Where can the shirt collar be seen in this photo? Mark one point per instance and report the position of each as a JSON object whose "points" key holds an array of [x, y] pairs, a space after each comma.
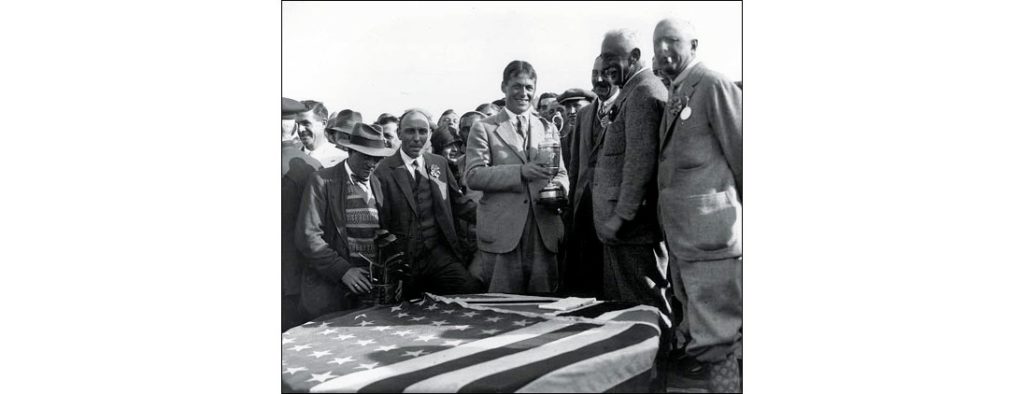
{"points": [[408, 160], [606, 105], [512, 115], [686, 71]]}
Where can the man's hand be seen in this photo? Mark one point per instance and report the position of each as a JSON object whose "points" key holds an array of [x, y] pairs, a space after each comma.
{"points": [[610, 228], [538, 168], [357, 279]]}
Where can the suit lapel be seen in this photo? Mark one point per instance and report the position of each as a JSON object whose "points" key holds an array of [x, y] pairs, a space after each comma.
{"points": [[506, 132], [686, 90], [617, 107], [403, 179]]}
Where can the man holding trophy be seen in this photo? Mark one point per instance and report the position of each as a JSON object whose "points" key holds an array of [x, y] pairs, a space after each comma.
{"points": [[514, 158]]}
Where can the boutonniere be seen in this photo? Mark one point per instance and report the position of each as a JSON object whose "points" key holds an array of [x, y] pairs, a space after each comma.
{"points": [[435, 171]]}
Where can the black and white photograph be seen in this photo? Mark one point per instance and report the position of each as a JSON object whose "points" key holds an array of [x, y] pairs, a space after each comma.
{"points": [[511, 197]]}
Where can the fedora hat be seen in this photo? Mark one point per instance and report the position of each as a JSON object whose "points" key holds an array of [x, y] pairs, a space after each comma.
{"points": [[345, 122], [369, 140], [290, 108]]}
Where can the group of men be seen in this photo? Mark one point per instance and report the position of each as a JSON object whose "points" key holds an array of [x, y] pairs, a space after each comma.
{"points": [[651, 162]]}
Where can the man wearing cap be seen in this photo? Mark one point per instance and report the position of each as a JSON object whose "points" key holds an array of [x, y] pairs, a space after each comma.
{"points": [[586, 267], [624, 195], [700, 180], [342, 127], [571, 101], [312, 125], [518, 237], [421, 203], [338, 223], [296, 167]]}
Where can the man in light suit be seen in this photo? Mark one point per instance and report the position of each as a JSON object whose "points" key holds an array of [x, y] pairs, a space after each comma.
{"points": [[421, 202], [624, 190], [700, 180], [518, 238]]}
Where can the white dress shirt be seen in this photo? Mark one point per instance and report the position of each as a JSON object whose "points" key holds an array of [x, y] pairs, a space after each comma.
{"points": [[365, 185], [408, 164]]}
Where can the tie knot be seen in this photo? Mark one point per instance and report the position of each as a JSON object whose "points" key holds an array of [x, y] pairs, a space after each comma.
{"points": [[415, 164]]}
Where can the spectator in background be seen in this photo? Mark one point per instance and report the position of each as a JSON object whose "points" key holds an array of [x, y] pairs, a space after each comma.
{"points": [[500, 103], [571, 102], [312, 125], [344, 123], [487, 109], [547, 107], [296, 167], [389, 124]]}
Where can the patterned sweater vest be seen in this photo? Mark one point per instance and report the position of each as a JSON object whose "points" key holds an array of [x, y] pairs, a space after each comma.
{"points": [[361, 223]]}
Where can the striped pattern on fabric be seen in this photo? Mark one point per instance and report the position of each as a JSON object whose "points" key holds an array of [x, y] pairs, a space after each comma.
{"points": [[361, 224], [443, 345]]}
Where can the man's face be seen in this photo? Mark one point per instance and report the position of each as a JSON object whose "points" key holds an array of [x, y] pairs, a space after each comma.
{"points": [[548, 108], [467, 125], [390, 130], [311, 128], [450, 152], [518, 91], [287, 129], [672, 50], [617, 60], [448, 121], [602, 88], [572, 109], [362, 164], [414, 132]]}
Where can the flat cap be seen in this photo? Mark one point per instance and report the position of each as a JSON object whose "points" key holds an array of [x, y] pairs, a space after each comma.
{"points": [[576, 94], [290, 108]]}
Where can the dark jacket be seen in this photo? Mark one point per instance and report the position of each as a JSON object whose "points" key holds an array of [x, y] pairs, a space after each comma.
{"points": [[321, 236], [296, 167], [624, 181], [399, 214]]}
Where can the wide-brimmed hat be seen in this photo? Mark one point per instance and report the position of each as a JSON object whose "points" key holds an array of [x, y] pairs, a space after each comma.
{"points": [[345, 122], [369, 139], [290, 108]]}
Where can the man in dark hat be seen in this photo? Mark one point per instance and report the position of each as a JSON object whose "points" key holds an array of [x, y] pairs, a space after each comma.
{"points": [[338, 223], [571, 101], [295, 169], [421, 203]]}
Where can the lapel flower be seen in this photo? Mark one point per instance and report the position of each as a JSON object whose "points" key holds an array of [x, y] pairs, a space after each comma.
{"points": [[435, 171]]}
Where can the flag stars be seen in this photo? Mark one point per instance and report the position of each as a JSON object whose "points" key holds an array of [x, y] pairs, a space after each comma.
{"points": [[402, 333], [329, 331], [285, 341], [324, 324], [521, 323], [321, 377], [439, 323], [382, 328], [417, 318], [344, 337], [362, 315], [396, 308], [448, 311], [470, 314], [366, 342], [367, 366], [432, 307], [365, 323], [489, 331], [386, 348], [292, 371], [426, 338], [402, 314], [340, 361], [300, 347], [320, 354], [494, 319], [414, 354], [460, 328]]}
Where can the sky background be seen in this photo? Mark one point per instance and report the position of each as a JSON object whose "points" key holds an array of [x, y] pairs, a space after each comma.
{"points": [[387, 57]]}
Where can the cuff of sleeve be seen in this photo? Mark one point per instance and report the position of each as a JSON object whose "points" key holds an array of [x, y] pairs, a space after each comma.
{"points": [[337, 270]]}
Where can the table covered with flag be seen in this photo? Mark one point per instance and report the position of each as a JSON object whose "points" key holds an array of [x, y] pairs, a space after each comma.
{"points": [[473, 343]]}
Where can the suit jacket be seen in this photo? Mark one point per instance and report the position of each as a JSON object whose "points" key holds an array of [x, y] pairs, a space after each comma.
{"points": [[580, 171], [494, 161], [399, 202], [627, 153], [295, 170], [700, 174], [321, 236]]}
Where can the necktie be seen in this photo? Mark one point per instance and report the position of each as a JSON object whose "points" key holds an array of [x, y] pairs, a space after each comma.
{"points": [[522, 132], [416, 171]]}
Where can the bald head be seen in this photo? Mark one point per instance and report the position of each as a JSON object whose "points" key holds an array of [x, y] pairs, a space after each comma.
{"points": [[675, 46]]}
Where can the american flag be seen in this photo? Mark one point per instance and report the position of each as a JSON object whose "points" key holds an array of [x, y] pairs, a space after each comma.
{"points": [[443, 344]]}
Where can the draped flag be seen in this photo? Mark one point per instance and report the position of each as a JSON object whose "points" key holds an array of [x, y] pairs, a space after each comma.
{"points": [[483, 343]]}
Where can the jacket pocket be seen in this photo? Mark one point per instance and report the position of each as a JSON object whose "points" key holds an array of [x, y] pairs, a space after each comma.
{"points": [[711, 221]]}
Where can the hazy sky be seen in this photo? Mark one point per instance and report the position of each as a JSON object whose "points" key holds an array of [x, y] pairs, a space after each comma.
{"points": [[387, 57]]}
